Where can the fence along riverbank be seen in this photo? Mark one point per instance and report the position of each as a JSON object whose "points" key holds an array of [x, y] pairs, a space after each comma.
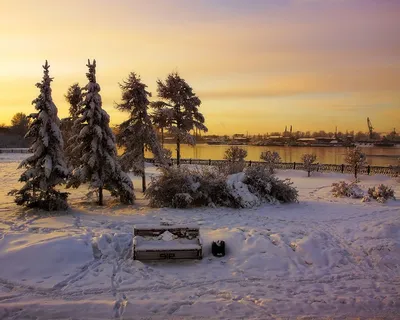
{"points": [[392, 171]]}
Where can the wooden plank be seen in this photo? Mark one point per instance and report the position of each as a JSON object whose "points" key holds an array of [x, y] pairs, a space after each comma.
{"points": [[167, 254]]}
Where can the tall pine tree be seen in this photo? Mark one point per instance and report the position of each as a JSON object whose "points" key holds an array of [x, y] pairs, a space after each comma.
{"points": [[181, 107], [95, 142], [137, 133], [46, 168], [74, 98]]}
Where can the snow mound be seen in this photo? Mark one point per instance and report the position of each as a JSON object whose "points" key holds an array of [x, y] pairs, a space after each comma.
{"points": [[42, 259], [108, 245], [240, 191]]}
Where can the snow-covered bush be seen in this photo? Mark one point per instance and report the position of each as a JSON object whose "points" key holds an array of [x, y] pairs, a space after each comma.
{"points": [[268, 187], [271, 158], [308, 162], [235, 164], [356, 159], [181, 187], [227, 168], [381, 193], [344, 189], [46, 168]]}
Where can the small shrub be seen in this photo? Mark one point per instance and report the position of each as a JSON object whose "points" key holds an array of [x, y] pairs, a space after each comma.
{"points": [[271, 159], [268, 187], [356, 159], [235, 156], [308, 161], [235, 153], [381, 193], [344, 189]]}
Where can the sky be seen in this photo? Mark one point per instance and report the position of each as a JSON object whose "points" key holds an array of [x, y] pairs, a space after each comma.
{"points": [[256, 65]]}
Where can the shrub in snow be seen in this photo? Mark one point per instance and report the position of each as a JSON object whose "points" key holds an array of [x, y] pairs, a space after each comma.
{"points": [[308, 162], [182, 200], [137, 133], [235, 156], [227, 168], [344, 189], [268, 187], [46, 168], [366, 198], [356, 159], [98, 165], [180, 107], [181, 187], [271, 159], [381, 193]]}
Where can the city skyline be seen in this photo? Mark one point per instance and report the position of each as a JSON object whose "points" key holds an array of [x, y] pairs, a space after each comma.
{"points": [[257, 68]]}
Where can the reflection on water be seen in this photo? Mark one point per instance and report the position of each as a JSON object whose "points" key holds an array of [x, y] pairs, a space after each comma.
{"points": [[334, 155]]}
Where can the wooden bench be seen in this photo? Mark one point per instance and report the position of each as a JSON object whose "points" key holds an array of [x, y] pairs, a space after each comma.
{"points": [[166, 242]]}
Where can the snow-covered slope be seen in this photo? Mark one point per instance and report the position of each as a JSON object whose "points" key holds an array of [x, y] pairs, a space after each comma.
{"points": [[323, 257]]}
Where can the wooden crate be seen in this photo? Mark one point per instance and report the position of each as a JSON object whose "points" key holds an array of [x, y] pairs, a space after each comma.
{"points": [[148, 243]]}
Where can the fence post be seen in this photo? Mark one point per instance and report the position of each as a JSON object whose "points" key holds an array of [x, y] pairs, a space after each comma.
{"points": [[294, 165], [368, 169], [342, 168], [209, 162]]}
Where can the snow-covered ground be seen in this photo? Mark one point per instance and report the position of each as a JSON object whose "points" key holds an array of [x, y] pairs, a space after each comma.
{"points": [[324, 257]]}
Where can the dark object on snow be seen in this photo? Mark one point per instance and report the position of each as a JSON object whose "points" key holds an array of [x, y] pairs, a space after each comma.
{"points": [[218, 248]]}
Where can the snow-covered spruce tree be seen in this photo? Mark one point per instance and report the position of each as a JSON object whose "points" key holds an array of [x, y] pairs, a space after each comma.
{"points": [[74, 98], [308, 160], [271, 158], [181, 107], [356, 159], [46, 168], [96, 144], [137, 133]]}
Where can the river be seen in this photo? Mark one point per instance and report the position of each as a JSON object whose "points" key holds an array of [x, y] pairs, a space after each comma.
{"points": [[333, 155]]}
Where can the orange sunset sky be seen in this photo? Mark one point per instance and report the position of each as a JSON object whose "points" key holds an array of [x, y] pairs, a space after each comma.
{"points": [[256, 65]]}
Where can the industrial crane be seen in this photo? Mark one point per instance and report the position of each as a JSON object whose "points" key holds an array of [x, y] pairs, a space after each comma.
{"points": [[370, 128]]}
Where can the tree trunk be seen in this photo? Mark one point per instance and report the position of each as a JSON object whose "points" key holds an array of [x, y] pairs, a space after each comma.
{"points": [[178, 151], [162, 137], [100, 196], [143, 172], [308, 172]]}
